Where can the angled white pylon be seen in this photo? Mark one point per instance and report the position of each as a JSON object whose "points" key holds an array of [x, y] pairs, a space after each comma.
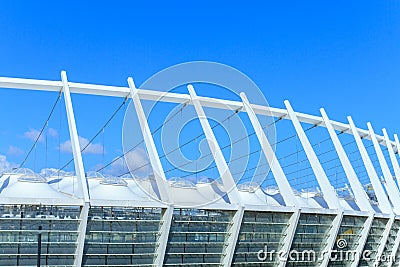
{"points": [[79, 169], [361, 196], [391, 188], [225, 173], [280, 177], [155, 162], [383, 201], [327, 189]]}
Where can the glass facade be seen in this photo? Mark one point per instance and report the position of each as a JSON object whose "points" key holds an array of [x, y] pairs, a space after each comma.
{"points": [[374, 239], [197, 237], [386, 256], [19, 235], [260, 231], [347, 240], [118, 236], [311, 235]]}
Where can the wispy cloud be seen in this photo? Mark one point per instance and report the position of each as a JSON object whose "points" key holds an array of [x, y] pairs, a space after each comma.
{"points": [[33, 134], [52, 132], [91, 149], [136, 160], [5, 165], [14, 151]]}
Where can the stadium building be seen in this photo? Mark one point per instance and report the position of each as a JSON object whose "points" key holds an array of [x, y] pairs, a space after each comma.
{"points": [[91, 219]]}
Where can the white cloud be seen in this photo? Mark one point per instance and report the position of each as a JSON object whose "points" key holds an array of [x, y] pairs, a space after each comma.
{"points": [[52, 132], [15, 151], [91, 149], [137, 161], [33, 134], [6, 165], [52, 171]]}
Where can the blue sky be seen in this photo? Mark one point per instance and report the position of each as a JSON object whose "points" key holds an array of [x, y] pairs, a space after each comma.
{"points": [[341, 55]]}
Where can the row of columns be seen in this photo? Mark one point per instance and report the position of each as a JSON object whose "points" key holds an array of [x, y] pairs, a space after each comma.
{"points": [[285, 189]]}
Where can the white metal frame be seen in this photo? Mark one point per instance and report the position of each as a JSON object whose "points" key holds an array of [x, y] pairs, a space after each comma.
{"points": [[391, 187], [79, 169], [279, 175], [155, 162], [323, 181], [252, 110], [383, 201]]}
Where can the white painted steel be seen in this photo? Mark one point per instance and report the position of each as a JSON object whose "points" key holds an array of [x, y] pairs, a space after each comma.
{"points": [[243, 201]]}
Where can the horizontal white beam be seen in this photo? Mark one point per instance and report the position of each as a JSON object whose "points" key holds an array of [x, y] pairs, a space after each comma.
{"points": [[144, 94]]}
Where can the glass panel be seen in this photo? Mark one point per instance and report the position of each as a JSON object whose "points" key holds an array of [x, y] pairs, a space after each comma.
{"points": [[197, 237], [311, 234], [374, 239], [350, 231], [19, 231], [121, 236], [387, 253], [260, 229]]}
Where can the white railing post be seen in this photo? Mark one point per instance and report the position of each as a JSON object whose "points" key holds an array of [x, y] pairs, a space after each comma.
{"points": [[79, 169]]}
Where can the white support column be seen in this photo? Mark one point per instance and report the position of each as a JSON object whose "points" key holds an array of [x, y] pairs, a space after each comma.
{"points": [[81, 234], [155, 162], [222, 166], [394, 249], [280, 177], [393, 159], [383, 201], [384, 239], [232, 237], [327, 189], [333, 233], [163, 235], [80, 172], [391, 187], [361, 196], [227, 179], [392, 155], [396, 140], [397, 143], [288, 240], [363, 239]]}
